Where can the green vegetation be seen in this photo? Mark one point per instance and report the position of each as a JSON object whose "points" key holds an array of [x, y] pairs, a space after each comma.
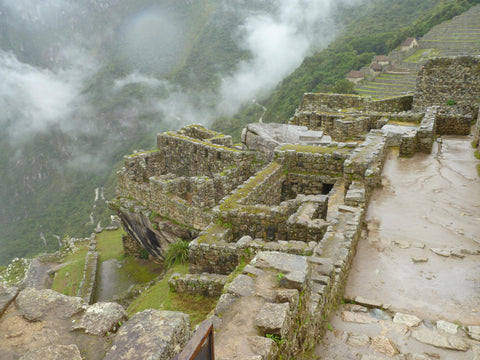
{"points": [[67, 279], [160, 297], [376, 28], [231, 202], [275, 338], [14, 273], [177, 253], [313, 149], [109, 245]]}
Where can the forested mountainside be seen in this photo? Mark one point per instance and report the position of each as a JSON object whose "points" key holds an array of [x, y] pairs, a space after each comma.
{"points": [[375, 28], [83, 83]]}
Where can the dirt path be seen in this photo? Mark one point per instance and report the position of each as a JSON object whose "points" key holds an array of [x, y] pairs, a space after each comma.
{"points": [[427, 202]]}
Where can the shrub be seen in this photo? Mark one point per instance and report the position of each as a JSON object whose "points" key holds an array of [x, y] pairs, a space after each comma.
{"points": [[177, 253], [144, 253]]}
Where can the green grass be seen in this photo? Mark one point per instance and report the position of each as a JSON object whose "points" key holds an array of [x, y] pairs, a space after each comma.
{"points": [[109, 245], [160, 297], [231, 202], [313, 149], [67, 279]]}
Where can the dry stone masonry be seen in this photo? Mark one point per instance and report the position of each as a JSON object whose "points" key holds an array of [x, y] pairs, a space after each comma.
{"points": [[273, 226], [287, 206]]}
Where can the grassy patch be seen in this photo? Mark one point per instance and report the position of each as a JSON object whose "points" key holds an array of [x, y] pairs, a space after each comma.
{"points": [[109, 245], [477, 154], [478, 170], [313, 149], [402, 123], [231, 202], [67, 279], [160, 297]]}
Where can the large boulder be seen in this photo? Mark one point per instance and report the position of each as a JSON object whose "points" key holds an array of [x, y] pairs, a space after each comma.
{"points": [[151, 334], [101, 318], [40, 304]]}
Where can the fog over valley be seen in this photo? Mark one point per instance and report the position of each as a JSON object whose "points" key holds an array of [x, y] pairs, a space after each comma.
{"points": [[83, 83]]}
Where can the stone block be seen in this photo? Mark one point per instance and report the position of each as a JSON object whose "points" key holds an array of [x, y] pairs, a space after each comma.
{"points": [[274, 319], [293, 267], [242, 285], [151, 334], [101, 318]]}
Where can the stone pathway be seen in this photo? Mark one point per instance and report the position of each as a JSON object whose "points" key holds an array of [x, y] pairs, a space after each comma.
{"points": [[418, 262]]}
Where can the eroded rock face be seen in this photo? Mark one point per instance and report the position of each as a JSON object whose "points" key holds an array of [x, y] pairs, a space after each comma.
{"points": [[151, 334], [38, 304], [54, 352], [101, 318], [6, 297], [155, 238]]}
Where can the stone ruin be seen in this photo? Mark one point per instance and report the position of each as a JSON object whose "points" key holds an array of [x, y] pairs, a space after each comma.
{"points": [[289, 202], [284, 209]]}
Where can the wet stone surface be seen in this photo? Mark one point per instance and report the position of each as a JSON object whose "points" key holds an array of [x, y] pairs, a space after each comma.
{"points": [[419, 255]]}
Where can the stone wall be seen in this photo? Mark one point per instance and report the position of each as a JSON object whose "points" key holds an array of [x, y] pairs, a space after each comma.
{"points": [[130, 246], [86, 289], [192, 170], [220, 257], [427, 131], [374, 120], [453, 124], [390, 105], [186, 156], [322, 102], [452, 83], [312, 160], [476, 132], [206, 284], [365, 163]]}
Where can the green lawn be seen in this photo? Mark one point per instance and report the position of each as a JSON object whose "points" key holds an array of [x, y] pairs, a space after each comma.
{"points": [[67, 279], [160, 297]]}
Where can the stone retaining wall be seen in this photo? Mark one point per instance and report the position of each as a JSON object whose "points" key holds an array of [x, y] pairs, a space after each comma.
{"points": [[88, 284], [130, 246], [427, 131], [220, 257], [210, 285], [322, 102], [453, 124], [453, 83], [314, 160], [365, 163]]}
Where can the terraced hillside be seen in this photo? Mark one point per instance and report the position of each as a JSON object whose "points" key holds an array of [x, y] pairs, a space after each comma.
{"points": [[459, 36]]}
